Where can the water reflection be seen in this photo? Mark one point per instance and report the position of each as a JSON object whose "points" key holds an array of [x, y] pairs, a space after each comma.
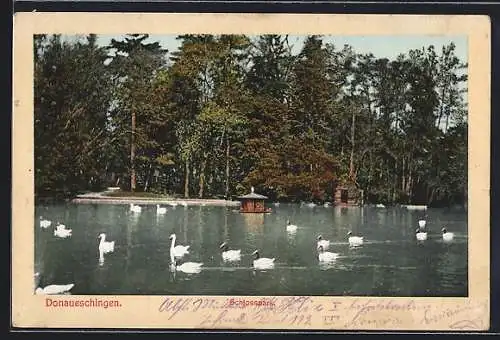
{"points": [[291, 237], [328, 265], [101, 258], [254, 222], [390, 262], [450, 265], [173, 272]]}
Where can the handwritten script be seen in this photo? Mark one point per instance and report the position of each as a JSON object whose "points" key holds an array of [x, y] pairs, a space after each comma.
{"points": [[333, 313]]}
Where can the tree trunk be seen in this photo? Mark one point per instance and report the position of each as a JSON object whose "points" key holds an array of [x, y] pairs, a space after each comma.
{"points": [[431, 192], [132, 155], [227, 167], [395, 182], [351, 162], [202, 175], [403, 178], [409, 179], [148, 178], [409, 188], [441, 107], [186, 179]]}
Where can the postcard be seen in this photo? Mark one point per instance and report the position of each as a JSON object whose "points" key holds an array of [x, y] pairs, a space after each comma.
{"points": [[251, 171]]}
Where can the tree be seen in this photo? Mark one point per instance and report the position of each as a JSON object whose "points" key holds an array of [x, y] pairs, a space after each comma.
{"points": [[72, 91], [135, 65], [312, 100], [214, 66]]}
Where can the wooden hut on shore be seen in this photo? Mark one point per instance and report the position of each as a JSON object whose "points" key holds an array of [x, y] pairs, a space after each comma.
{"points": [[347, 193], [253, 203]]}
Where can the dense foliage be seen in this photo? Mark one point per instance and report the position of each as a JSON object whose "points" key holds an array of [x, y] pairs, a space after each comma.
{"points": [[225, 112]]}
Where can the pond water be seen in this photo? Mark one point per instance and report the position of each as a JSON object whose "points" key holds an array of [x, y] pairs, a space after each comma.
{"points": [[391, 262]]}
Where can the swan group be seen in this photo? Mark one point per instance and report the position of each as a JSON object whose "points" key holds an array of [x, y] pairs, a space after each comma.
{"points": [[174, 204], [178, 251], [60, 229], [421, 233], [186, 267]]}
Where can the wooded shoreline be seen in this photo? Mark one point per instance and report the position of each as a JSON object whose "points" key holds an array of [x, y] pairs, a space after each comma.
{"points": [[227, 112]]}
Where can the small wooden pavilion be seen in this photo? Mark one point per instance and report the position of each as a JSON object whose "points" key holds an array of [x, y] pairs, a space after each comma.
{"points": [[253, 203], [347, 193]]}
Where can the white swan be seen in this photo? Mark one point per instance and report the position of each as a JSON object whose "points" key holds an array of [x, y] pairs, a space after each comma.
{"points": [[179, 250], [354, 241], [190, 267], [323, 243], [262, 262], [160, 210], [229, 255], [173, 204], [422, 223], [135, 208], [291, 228], [105, 246], [62, 232], [44, 223], [326, 256], [186, 267], [311, 205], [183, 203], [421, 235], [54, 289], [380, 205], [447, 236]]}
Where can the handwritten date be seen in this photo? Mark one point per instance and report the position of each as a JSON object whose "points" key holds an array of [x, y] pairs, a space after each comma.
{"points": [[303, 311]]}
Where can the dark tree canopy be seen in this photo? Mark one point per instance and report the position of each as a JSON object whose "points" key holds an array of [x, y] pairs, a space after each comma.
{"points": [[226, 112]]}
